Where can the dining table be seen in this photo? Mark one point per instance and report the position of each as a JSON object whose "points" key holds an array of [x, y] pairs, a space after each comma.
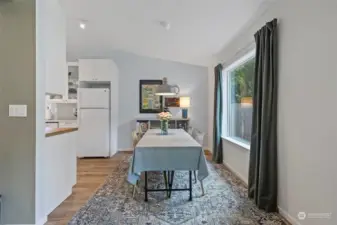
{"points": [[174, 151]]}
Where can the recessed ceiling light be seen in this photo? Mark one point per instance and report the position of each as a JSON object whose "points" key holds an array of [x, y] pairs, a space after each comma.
{"points": [[165, 24], [83, 25]]}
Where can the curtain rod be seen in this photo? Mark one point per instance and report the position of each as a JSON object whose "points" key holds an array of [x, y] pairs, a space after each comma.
{"points": [[247, 48]]}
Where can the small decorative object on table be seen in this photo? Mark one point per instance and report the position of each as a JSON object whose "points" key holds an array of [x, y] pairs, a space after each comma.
{"points": [[164, 118]]}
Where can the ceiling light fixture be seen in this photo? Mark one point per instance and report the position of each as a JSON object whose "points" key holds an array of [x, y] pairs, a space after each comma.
{"points": [[83, 25], [165, 24], [167, 90]]}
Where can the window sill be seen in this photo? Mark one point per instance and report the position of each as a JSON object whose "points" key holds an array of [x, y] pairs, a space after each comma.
{"points": [[243, 145]]}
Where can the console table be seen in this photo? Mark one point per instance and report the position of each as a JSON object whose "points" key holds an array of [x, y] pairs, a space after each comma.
{"points": [[143, 124]]}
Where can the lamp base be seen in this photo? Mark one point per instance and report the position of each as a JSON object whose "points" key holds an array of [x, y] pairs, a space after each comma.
{"points": [[184, 113]]}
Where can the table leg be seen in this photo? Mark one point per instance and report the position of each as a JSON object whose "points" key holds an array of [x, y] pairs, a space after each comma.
{"points": [[146, 186], [169, 183], [171, 177], [190, 186], [166, 185]]}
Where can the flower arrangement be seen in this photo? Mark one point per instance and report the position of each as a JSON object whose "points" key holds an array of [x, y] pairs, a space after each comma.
{"points": [[165, 116]]}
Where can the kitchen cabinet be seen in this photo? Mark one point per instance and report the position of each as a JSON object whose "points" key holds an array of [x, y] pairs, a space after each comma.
{"points": [[59, 169], [97, 70], [73, 82], [55, 48]]}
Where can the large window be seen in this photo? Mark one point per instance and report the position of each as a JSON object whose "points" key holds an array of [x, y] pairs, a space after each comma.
{"points": [[238, 92]]}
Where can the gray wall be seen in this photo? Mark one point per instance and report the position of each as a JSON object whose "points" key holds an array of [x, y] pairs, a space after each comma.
{"points": [[192, 81], [17, 86], [307, 126]]}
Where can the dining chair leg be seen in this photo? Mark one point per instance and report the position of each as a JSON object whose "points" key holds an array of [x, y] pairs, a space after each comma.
{"points": [[134, 189], [190, 187], [195, 176], [202, 188]]}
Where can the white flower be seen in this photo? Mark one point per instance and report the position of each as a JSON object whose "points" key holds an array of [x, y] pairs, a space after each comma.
{"points": [[165, 116]]}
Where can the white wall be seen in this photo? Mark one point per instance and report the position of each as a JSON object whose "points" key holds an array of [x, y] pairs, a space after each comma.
{"points": [[40, 153], [51, 76], [236, 158], [307, 126], [54, 26], [192, 81]]}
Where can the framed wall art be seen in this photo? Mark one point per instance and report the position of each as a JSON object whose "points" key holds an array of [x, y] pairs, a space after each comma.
{"points": [[148, 101], [172, 102]]}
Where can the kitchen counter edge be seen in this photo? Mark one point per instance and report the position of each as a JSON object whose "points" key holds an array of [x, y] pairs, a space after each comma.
{"points": [[58, 131]]}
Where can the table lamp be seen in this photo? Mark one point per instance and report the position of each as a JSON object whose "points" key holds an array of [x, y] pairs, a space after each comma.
{"points": [[185, 104]]}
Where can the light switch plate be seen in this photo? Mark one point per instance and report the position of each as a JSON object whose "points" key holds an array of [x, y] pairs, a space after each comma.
{"points": [[17, 110]]}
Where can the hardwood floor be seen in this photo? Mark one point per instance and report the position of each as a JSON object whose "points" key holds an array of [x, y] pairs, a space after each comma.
{"points": [[91, 174]]}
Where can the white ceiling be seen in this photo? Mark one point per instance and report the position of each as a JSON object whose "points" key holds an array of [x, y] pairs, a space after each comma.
{"points": [[199, 28]]}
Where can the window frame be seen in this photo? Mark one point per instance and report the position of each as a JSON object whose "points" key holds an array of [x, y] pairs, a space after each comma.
{"points": [[225, 81]]}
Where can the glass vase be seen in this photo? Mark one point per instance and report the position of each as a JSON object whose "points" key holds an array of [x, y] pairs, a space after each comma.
{"points": [[164, 127]]}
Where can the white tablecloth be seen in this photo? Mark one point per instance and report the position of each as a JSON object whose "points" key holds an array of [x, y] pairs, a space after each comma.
{"points": [[175, 151]]}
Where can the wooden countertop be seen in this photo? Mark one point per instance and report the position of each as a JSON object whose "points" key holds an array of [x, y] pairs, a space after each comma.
{"points": [[57, 131]]}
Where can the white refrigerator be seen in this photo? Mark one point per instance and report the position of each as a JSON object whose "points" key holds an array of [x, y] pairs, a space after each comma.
{"points": [[94, 122]]}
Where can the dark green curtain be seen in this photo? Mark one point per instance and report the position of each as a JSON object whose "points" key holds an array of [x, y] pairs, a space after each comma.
{"points": [[217, 123], [262, 181]]}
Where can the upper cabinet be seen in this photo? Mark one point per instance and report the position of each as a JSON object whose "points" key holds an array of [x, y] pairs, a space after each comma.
{"points": [[56, 69], [86, 70], [72, 80], [97, 70]]}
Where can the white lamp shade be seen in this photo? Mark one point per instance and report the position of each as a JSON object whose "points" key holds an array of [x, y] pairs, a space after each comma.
{"points": [[185, 102]]}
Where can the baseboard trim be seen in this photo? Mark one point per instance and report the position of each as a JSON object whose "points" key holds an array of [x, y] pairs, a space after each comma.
{"points": [[238, 175], [289, 219], [42, 221]]}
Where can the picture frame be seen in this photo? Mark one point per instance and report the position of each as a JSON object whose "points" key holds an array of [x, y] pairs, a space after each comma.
{"points": [[148, 101], [172, 102]]}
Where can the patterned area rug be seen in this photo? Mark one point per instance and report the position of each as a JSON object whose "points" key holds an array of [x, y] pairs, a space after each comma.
{"points": [[225, 202]]}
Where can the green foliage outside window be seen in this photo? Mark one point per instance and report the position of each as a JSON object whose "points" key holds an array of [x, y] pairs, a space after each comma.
{"points": [[242, 81]]}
